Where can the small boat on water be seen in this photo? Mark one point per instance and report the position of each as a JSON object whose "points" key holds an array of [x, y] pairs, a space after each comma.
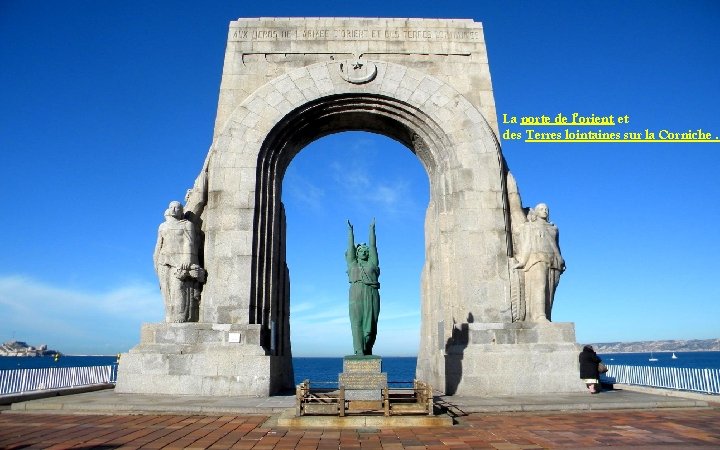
{"points": [[673, 356], [652, 358]]}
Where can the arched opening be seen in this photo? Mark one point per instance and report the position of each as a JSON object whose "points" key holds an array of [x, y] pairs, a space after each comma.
{"points": [[355, 176], [263, 122], [452, 189], [466, 223], [270, 290]]}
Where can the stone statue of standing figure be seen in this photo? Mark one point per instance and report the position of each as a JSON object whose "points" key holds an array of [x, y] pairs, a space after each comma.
{"points": [[176, 264], [363, 270], [539, 258]]}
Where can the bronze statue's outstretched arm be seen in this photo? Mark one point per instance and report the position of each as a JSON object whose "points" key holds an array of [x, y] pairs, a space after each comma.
{"points": [[350, 252], [373, 253]]}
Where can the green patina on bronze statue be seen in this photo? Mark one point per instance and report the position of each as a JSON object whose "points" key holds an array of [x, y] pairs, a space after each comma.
{"points": [[363, 270]]}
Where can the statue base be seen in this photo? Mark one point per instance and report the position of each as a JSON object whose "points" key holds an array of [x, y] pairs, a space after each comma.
{"points": [[484, 359], [202, 359], [363, 380]]}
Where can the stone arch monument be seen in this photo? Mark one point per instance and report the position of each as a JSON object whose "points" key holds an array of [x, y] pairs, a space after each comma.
{"points": [[423, 82]]}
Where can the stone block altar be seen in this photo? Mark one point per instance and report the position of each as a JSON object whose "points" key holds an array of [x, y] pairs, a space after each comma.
{"points": [[202, 359], [363, 380], [512, 359]]}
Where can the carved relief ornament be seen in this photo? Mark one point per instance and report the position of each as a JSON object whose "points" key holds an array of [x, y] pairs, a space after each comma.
{"points": [[358, 71]]}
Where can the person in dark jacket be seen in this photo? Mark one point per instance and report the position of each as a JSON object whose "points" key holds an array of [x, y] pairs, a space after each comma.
{"points": [[589, 372]]}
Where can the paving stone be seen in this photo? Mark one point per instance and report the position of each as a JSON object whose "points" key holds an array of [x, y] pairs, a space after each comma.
{"points": [[676, 428]]}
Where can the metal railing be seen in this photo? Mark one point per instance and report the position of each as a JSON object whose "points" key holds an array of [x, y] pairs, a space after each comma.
{"points": [[21, 381], [678, 378]]}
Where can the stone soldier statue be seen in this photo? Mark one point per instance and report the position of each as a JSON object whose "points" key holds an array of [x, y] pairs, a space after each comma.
{"points": [[176, 264], [363, 270], [539, 258]]}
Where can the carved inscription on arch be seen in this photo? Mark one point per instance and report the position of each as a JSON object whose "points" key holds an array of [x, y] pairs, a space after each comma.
{"points": [[353, 34]]}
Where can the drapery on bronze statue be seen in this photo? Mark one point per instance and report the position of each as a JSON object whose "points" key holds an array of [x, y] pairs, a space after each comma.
{"points": [[363, 270]]}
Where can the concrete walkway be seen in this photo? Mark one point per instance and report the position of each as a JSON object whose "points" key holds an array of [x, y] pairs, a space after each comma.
{"points": [[667, 428], [109, 402]]}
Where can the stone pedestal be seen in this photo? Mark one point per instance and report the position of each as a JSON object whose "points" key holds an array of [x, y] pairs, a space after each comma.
{"points": [[202, 359], [363, 380], [511, 359]]}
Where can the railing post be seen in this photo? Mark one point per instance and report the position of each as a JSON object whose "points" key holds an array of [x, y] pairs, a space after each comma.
{"points": [[22, 382], [706, 372], [678, 378], [386, 398], [341, 401]]}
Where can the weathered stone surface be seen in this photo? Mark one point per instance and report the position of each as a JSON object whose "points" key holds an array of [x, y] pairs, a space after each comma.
{"points": [[177, 265], [214, 373], [365, 363], [363, 380], [538, 257], [363, 395], [512, 358], [521, 333], [187, 358], [288, 419], [423, 82]]}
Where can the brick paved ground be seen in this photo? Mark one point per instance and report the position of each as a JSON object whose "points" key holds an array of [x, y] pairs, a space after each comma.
{"points": [[660, 428]]}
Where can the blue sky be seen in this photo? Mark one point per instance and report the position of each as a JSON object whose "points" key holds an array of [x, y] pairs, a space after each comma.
{"points": [[107, 110]]}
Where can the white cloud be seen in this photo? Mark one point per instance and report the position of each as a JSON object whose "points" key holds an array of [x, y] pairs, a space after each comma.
{"points": [[76, 321], [397, 342], [395, 198], [351, 176], [322, 328], [303, 191], [73, 320], [317, 312], [365, 191], [389, 315], [299, 308]]}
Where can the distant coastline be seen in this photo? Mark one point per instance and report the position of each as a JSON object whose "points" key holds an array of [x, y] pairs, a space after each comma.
{"points": [[692, 345], [20, 348]]}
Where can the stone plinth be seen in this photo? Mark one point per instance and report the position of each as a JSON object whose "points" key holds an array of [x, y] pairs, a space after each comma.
{"points": [[511, 359], [362, 378], [288, 419], [362, 364], [202, 359]]}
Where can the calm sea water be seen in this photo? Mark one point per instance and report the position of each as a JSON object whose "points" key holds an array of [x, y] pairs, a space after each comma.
{"points": [[39, 362], [325, 370], [698, 360], [399, 369]]}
